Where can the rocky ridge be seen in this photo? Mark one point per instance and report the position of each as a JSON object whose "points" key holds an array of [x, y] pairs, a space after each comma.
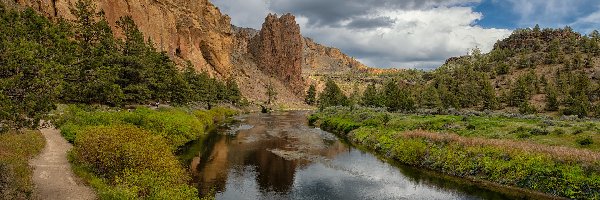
{"points": [[196, 31]]}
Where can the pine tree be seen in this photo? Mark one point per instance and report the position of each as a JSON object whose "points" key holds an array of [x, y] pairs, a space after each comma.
{"points": [[396, 98], [430, 98], [311, 95], [552, 103], [370, 97], [332, 96], [234, 95], [490, 101]]}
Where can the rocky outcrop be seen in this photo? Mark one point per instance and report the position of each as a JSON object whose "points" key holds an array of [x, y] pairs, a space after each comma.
{"points": [[193, 30], [277, 50], [319, 59]]}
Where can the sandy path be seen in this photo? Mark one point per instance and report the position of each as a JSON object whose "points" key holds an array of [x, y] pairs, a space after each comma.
{"points": [[52, 173]]}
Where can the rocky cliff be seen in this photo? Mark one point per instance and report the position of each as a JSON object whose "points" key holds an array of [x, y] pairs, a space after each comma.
{"points": [[193, 30], [197, 31], [277, 50], [319, 59]]}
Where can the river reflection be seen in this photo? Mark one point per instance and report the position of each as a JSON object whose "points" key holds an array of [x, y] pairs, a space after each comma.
{"points": [[277, 156]]}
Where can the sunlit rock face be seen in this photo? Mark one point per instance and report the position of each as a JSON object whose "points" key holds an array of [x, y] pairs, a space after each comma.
{"points": [[193, 30]]}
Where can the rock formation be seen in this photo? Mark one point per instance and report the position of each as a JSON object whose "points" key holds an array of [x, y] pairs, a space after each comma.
{"points": [[277, 50], [193, 30], [327, 60]]}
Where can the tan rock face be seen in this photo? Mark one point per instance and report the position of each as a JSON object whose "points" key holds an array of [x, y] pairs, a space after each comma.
{"points": [[319, 59], [197, 31], [193, 30], [277, 50]]}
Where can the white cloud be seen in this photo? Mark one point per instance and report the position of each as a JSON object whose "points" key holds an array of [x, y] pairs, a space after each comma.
{"points": [[419, 38], [245, 13], [422, 37]]}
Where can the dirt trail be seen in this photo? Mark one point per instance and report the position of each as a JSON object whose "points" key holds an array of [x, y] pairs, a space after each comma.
{"points": [[52, 173]]}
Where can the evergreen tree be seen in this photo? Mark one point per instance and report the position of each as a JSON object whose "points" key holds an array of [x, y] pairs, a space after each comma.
{"points": [[30, 70], [552, 103], [490, 101], [396, 98], [311, 95], [234, 95], [430, 98], [332, 96], [370, 97]]}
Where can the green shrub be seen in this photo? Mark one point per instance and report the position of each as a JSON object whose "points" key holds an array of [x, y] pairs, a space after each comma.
{"points": [[133, 161], [585, 141], [15, 174], [176, 125]]}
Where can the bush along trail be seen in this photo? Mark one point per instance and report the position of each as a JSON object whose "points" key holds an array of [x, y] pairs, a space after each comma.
{"points": [[140, 164], [448, 144]]}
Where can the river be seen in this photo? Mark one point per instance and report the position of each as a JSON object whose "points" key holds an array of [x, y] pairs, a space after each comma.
{"points": [[278, 156]]}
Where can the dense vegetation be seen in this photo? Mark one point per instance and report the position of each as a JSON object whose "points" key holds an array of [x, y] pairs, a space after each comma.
{"points": [[15, 173], [43, 62], [131, 154], [468, 146], [532, 71]]}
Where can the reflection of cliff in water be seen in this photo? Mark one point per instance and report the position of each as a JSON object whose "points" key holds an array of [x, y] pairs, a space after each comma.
{"points": [[253, 148]]}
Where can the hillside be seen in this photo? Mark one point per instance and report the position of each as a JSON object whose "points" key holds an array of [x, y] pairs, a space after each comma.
{"points": [[199, 33], [553, 71]]}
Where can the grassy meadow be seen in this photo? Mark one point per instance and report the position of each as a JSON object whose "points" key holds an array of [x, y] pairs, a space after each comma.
{"points": [[552, 156]]}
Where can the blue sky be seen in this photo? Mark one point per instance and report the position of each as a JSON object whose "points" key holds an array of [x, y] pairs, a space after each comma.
{"points": [[415, 33], [521, 14]]}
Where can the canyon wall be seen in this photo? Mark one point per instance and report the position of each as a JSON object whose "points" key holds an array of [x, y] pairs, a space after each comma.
{"points": [[193, 30], [197, 31]]}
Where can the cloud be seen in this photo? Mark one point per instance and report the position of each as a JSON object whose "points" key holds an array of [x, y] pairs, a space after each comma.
{"points": [[418, 38], [334, 12], [381, 33], [552, 13], [369, 22], [246, 13]]}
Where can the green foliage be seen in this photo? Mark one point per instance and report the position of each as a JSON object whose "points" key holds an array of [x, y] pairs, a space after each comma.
{"points": [[526, 108], [430, 98], [396, 98], [311, 98], [130, 154], [15, 174], [44, 62], [29, 67], [536, 167], [552, 103], [138, 163], [332, 96], [585, 141], [370, 97], [176, 126]]}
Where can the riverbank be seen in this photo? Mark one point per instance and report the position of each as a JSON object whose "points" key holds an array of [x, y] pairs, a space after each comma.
{"points": [[141, 163], [479, 148]]}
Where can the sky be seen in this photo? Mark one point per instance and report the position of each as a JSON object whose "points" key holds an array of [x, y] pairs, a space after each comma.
{"points": [[418, 34]]}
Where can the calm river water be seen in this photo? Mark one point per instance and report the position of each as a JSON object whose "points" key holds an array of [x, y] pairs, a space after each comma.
{"points": [[278, 156]]}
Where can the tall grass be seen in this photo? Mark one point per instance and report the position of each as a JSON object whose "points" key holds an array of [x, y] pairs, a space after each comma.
{"points": [[435, 142], [15, 174]]}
